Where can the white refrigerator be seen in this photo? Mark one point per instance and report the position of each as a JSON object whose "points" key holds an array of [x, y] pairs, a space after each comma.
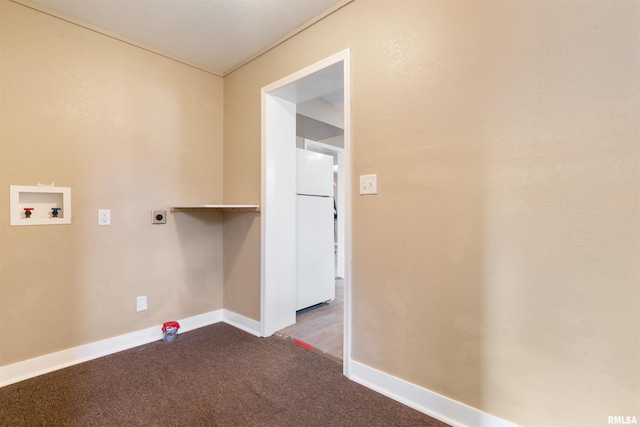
{"points": [[315, 265]]}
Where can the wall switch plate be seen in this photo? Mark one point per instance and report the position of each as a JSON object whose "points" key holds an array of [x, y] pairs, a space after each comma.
{"points": [[141, 303], [368, 184], [158, 217], [104, 217]]}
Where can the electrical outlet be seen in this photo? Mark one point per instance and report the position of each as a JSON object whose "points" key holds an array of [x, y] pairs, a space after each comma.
{"points": [[158, 217], [141, 303], [104, 217]]}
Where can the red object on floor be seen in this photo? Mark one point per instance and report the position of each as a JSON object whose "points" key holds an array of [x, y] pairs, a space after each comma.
{"points": [[172, 324], [303, 344]]}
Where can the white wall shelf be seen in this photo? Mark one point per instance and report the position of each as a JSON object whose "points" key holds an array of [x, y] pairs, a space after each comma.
{"points": [[42, 201], [216, 208]]}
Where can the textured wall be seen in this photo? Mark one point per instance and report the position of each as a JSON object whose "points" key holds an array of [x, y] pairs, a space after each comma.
{"points": [[129, 131], [242, 263], [499, 263]]}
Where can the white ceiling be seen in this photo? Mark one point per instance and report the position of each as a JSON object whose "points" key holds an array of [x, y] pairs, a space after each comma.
{"points": [[215, 35]]}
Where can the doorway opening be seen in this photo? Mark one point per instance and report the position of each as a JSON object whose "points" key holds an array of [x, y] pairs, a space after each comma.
{"points": [[309, 109], [320, 322]]}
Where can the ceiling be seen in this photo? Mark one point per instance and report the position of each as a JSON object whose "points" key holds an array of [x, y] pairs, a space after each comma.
{"points": [[215, 35]]}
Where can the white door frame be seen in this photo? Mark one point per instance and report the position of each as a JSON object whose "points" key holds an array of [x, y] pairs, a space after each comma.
{"points": [[277, 270]]}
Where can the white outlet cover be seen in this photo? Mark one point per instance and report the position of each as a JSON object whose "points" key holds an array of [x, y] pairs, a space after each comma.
{"points": [[104, 217], [141, 303]]}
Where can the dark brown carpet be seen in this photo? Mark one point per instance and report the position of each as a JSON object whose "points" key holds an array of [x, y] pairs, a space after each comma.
{"points": [[213, 376]]}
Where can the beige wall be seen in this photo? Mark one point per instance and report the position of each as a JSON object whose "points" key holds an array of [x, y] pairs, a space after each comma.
{"points": [[242, 263], [499, 263], [497, 266], [129, 131]]}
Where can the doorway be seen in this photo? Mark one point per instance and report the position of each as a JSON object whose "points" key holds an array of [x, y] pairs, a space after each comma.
{"points": [[321, 325], [280, 104]]}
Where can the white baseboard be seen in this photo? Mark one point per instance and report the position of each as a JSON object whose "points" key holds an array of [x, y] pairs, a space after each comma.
{"points": [[248, 325], [428, 402], [52, 362], [199, 321]]}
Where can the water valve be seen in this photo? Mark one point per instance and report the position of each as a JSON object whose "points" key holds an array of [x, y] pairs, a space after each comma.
{"points": [[27, 212], [54, 212]]}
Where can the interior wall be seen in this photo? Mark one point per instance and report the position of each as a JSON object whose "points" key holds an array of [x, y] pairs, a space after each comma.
{"points": [[129, 131], [498, 264], [242, 262]]}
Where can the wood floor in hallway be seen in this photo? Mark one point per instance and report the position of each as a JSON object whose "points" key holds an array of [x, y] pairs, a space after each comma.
{"points": [[321, 325]]}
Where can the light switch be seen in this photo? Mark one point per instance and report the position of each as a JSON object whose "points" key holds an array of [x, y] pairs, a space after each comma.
{"points": [[368, 184]]}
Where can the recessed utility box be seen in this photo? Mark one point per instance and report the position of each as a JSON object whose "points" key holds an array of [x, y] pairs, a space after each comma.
{"points": [[39, 205]]}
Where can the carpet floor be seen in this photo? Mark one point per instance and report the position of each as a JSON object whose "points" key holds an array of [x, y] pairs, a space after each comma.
{"points": [[213, 376]]}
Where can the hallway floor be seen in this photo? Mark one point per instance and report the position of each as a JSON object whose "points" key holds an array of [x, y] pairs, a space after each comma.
{"points": [[321, 325]]}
